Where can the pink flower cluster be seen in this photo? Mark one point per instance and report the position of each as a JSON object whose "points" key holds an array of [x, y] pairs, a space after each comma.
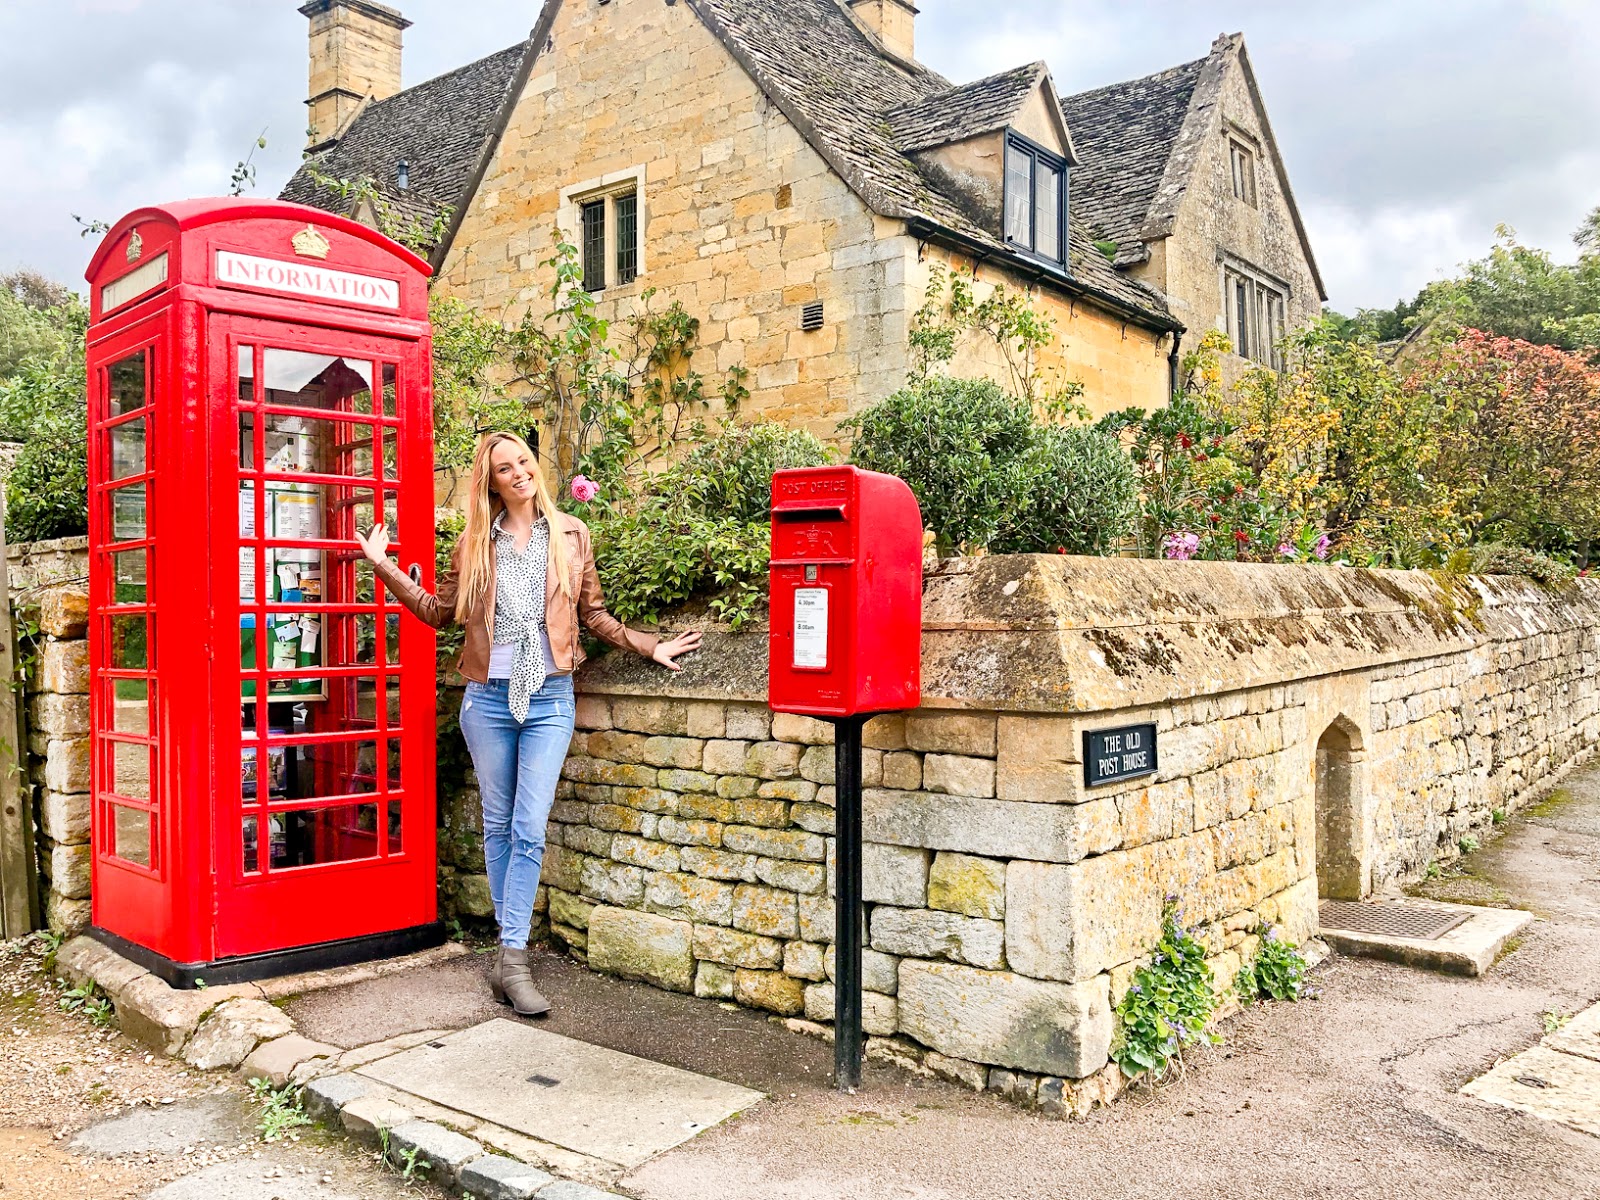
{"points": [[584, 489], [1181, 546]]}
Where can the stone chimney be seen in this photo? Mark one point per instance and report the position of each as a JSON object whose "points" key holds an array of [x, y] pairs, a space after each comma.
{"points": [[894, 22], [355, 56]]}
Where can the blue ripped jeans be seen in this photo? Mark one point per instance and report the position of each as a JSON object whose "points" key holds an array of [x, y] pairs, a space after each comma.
{"points": [[518, 766]]}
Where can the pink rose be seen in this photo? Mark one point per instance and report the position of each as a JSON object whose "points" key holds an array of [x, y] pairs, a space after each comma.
{"points": [[584, 489]]}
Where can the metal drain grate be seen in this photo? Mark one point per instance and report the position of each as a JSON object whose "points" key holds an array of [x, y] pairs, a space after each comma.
{"points": [[1389, 920]]}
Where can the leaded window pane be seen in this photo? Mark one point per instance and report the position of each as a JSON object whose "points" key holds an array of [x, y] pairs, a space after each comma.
{"points": [[594, 246], [1047, 211], [627, 213], [1019, 197]]}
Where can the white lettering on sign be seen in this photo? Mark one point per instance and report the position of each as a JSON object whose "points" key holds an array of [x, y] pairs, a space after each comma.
{"points": [[811, 627], [302, 279]]}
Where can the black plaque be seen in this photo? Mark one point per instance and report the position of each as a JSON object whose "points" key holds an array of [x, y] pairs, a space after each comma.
{"points": [[1112, 755]]}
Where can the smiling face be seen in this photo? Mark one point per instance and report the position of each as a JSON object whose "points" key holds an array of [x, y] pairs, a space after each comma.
{"points": [[511, 472]]}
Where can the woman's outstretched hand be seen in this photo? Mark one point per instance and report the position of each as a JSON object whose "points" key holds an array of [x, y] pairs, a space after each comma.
{"points": [[684, 643], [375, 545]]}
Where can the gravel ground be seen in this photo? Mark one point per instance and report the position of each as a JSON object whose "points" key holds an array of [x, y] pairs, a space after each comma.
{"points": [[1352, 1094], [65, 1080]]}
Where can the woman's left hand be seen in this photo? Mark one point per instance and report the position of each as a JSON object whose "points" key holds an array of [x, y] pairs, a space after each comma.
{"points": [[666, 652]]}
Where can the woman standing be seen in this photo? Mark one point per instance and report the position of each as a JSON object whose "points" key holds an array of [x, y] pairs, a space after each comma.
{"points": [[521, 581]]}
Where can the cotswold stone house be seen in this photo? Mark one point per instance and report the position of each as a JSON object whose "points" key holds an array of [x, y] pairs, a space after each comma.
{"points": [[789, 172], [1181, 178]]}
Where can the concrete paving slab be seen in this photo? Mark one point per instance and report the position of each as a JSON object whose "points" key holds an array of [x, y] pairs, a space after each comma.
{"points": [[1580, 1036], [1547, 1084], [1469, 949], [169, 1129], [597, 1102]]}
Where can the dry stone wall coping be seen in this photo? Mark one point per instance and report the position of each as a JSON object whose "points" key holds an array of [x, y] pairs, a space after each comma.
{"points": [[1069, 634]]}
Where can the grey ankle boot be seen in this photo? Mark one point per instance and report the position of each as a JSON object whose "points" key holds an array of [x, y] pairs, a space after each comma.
{"points": [[516, 981], [496, 988]]}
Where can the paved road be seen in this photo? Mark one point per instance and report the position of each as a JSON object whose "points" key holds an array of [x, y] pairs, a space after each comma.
{"points": [[1350, 1095]]}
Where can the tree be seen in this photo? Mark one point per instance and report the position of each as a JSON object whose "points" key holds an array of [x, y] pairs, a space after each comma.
{"points": [[42, 405], [1527, 462], [1514, 291], [39, 318]]}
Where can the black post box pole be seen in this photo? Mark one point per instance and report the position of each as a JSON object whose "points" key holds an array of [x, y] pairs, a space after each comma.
{"points": [[847, 903]]}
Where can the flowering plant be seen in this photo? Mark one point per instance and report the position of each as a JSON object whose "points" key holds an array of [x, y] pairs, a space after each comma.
{"points": [[1168, 1005], [1181, 546], [584, 489]]}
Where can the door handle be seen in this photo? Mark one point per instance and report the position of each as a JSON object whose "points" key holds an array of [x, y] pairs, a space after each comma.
{"points": [[415, 571]]}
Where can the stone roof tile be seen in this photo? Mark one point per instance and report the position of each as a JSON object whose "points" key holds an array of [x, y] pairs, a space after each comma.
{"points": [[963, 112], [1125, 134]]}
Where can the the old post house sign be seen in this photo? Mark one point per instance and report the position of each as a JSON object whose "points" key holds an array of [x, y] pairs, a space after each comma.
{"points": [[1111, 755]]}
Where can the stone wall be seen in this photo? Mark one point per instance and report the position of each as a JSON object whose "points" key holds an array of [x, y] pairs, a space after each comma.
{"points": [[58, 749], [31, 565], [1313, 722], [48, 583]]}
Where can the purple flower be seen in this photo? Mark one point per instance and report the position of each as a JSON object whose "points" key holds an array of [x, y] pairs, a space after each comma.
{"points": [[1324, 544], [1181, 546], [1272, 933], [584, 489], [1286, 551]]}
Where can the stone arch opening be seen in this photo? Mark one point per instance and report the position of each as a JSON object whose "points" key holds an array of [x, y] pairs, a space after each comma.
{"points": [[1339, 786]]}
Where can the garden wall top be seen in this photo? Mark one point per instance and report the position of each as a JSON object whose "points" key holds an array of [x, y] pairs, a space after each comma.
{"points": [[1058, 633], [35, 564]]}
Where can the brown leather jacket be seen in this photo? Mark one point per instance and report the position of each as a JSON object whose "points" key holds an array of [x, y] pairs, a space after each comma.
{"points": [[562, 615]]}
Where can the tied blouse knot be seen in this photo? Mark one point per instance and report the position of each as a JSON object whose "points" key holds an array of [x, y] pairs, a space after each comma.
{"points": [[521, 649]]}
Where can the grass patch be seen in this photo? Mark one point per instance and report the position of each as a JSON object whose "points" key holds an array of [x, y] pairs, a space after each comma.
{"points": [[1555, 1019], [281, 1110], [1553, 803]]}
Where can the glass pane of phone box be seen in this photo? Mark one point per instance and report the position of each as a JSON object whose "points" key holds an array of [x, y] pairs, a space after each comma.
{"points": [[301, 772], [307, 837]]}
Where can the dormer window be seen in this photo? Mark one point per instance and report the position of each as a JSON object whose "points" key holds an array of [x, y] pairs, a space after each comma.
{"points": [[1035, 200]]}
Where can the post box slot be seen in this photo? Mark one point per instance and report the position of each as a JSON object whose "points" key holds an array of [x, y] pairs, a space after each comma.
{"points": [[828, 512]]}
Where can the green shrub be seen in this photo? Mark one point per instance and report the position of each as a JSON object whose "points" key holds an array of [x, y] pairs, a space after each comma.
{"points": [[970, 452], [47, 491], [700, 528], [731, 475], [1085, 499], [1278, 972]]}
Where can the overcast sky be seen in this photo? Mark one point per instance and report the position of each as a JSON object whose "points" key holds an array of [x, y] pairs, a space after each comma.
{"points": [[1410, 129]]}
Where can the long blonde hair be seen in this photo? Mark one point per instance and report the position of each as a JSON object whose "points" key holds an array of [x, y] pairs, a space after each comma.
{"points": [[484, 505]]}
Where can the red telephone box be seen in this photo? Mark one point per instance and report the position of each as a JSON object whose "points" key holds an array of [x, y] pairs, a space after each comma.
{"points": [[846, 593], [263, 721]]}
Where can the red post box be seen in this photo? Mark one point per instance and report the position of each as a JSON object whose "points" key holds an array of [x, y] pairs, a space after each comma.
{"points": [[262, 719], [846, 643], [846, 583]]}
